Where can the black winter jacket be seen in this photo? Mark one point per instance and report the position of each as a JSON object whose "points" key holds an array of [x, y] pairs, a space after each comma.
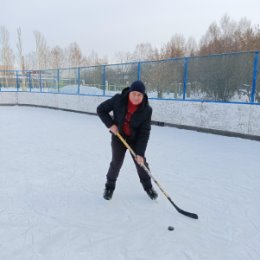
{"points": [[140, 123]]}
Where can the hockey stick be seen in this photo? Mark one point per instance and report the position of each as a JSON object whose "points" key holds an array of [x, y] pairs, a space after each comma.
{"points": [[183, 212]]}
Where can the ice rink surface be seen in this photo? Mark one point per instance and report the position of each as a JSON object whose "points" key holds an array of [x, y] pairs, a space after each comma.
{"points": [[52, 174]]}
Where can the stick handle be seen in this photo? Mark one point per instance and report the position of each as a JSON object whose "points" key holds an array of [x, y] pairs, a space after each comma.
{"points": [[126, 144], [188, 214]]}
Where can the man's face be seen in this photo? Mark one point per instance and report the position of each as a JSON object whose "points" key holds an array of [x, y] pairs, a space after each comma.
{"points": [[136, 97]]}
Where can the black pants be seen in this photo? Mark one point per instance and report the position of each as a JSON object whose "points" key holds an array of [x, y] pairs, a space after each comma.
{"points": [[118, 155]]}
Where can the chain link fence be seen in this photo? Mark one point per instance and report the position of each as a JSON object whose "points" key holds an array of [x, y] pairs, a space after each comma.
{"points": [[230, 77]]}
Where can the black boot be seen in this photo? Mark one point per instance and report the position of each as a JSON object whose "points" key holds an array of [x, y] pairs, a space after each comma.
{"points": [[152, 193], [109, 189], [108, 193]]}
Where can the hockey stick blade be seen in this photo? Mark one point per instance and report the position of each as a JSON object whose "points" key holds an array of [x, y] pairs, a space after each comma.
{"points": [[183, 212]]}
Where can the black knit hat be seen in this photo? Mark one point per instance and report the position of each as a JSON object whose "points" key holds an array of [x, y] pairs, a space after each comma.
{"points": [[137, 86]]}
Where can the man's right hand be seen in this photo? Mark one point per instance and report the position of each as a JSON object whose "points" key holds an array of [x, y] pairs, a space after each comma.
{"points": [[113, 129]]}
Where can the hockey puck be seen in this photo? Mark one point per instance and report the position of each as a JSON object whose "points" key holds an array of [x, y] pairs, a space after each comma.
{"points": [[171, 228]]}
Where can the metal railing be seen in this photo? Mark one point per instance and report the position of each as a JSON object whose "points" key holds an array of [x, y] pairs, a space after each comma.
{"points": [[231, 77]]}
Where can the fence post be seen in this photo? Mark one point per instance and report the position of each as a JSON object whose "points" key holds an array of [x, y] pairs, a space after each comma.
{"points": [[185, 77], [104, 79], [30, 81], [58, 79], [78, 81], [17, 81], [40, 81], [139, 70], [252, 98]]}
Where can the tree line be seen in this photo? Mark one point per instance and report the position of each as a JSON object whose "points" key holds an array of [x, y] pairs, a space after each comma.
{"points": [[226, 36]]}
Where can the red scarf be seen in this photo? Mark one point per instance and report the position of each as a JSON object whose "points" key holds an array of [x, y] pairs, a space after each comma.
{"points": [[131, 108]]}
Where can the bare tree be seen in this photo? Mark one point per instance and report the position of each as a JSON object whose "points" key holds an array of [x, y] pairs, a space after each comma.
{"points": [[242, 33], [20, 49], [57, 57], [20, 57], [30, 61], [230, 36], [74, 55], [175, 47], [228, 28], [92, 58], [143, 51], [123, 57], [210, 42], [7, 57], [256, 43], [191, 47], [156, 54], [41, 51]]}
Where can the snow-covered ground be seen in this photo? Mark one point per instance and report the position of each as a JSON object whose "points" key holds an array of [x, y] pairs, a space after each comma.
{"points": [[53, 166]]}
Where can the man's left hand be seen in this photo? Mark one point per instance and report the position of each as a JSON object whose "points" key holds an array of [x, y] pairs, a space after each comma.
{"points": [[139, 159]]}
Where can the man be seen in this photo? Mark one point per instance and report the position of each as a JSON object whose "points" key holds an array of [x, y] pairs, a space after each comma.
{"points": [[132, 119]]}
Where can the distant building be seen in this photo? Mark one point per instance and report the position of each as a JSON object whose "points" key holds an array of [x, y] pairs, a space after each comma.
{"points": [[3, 67]]}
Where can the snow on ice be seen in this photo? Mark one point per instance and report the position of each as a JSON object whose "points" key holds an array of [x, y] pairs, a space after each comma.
{"points": [[53, 166]]}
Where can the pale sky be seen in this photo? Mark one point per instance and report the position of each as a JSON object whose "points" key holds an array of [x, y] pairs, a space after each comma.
{"points": [[112, 26]]}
